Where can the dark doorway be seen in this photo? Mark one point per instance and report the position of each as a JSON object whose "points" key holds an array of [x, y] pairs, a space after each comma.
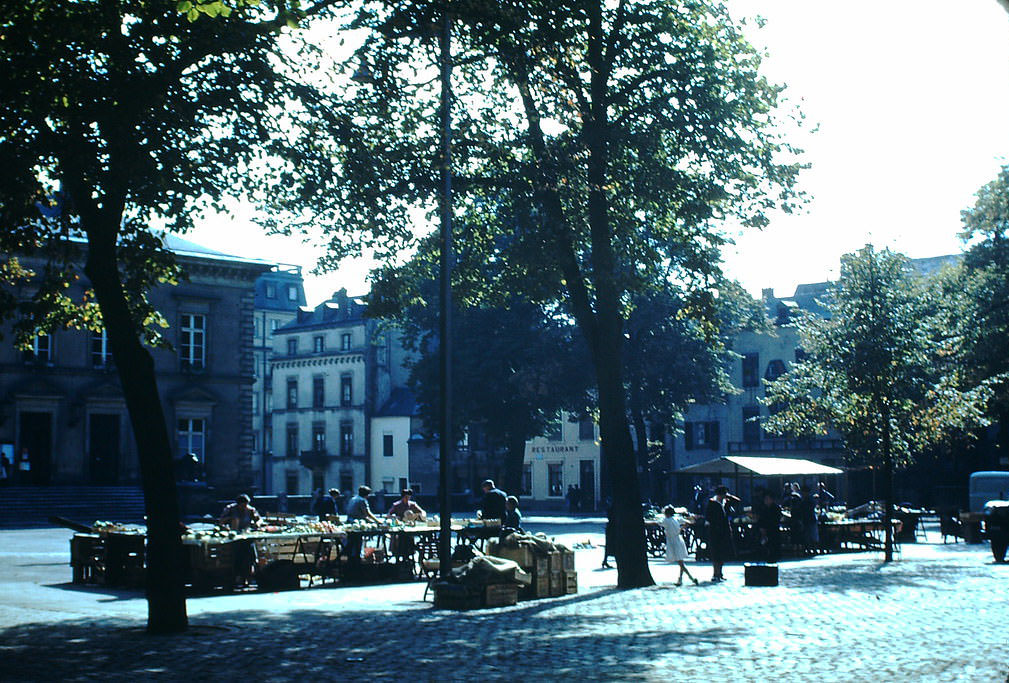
{"points": [[37, 436], [103, 449], [587, 484]]}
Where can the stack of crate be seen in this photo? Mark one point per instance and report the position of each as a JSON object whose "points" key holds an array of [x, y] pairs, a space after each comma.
{"points": [[553, 572]]}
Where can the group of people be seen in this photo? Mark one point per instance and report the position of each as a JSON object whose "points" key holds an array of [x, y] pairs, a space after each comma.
{"points": [[18, 472]]}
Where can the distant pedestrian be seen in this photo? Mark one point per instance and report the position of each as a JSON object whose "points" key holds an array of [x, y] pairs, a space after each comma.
{"points": [[719, 531], [676, 549], [5, 465], [769, 526], [571, 495], [578, 498]]}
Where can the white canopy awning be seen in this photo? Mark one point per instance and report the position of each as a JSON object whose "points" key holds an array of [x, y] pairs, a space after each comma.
{"points": [[759, 465]]}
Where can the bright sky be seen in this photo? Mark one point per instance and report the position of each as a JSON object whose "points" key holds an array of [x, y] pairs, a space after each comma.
{"points": [[912, 102]]}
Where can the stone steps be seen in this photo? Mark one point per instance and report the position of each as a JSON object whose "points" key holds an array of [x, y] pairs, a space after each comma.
{"points": [[31, 506]]}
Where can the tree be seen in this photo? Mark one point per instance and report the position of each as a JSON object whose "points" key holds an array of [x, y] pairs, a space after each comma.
{"points": [[515, 365], [611, 138], [675, 356], [982, 287], [119, 116], [880, 368]]}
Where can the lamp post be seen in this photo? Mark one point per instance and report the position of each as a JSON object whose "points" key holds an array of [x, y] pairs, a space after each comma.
{"points": [[445, 318]]}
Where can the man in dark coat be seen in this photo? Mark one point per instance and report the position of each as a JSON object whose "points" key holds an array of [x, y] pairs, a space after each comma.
{"points": [[716, 522], [328, 506], [493, 504]]}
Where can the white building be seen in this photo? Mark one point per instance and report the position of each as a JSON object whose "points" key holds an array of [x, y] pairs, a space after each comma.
{"points": [[568, 456]]}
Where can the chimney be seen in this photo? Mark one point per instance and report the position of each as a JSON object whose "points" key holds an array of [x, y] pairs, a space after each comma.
{"points": [[767, 293]]}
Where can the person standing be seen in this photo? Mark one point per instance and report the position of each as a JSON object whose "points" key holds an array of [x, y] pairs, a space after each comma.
{"points": [[716, 522], [493, 504], [328, 506], [406, 509], [769, 526], [5, 473], [24, 468], [676, 549], [358, 510]]}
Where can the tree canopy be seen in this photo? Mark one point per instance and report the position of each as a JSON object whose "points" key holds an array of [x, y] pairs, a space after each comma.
{"points": [[880, 368], [120, 117]]}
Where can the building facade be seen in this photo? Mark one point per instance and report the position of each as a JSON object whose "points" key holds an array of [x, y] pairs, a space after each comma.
{"points": [[61, 400], [332, 372], [280, 293]]}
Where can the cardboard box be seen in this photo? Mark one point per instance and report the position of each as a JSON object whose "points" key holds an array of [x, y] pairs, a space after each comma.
{"points": [[570, 583], [501, 595], [557, 583]]}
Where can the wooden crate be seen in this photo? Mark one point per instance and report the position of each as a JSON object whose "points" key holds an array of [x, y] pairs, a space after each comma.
{"points": [[540, 565], [570, 583], [557, 583], [87, 558], [453, 596], [501, 595], [556, 561], [568, 560], [522, 556]]}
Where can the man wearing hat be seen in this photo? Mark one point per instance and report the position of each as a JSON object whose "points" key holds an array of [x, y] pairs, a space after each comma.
{"points": [[493, 504]]}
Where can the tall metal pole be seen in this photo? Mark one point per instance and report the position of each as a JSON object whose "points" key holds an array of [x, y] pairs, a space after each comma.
{"points": [[445, 326]]}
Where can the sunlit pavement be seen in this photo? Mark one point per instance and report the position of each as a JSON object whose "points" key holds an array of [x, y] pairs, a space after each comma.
{"points": [[941, 612]]}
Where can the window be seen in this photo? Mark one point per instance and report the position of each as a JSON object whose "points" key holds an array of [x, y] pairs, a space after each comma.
{"points": [[292, 394], [255, 441], [701, 435], [751, 426], [775, 369], [555, 479], [554, 430], [318, 480], [291, 449], [192, 342], [291, 482], [292, 346], [255, 404], [387, 445], [345, 341], [40, 351], [751, 371], [191, 436], [271, 290], [319, 437], [527, 480], [586, 430], [388, 484], [267, 440], [100, 355], [346, 390], [318, 344], [274, 324], [346, 439], [292, 293], [318, 392], [346, 480]]}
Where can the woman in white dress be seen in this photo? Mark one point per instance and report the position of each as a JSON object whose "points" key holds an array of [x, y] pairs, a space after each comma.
{"points": [[676, 549]]}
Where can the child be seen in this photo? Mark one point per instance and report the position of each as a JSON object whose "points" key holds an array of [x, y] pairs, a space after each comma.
{"points": [[676, 549]]}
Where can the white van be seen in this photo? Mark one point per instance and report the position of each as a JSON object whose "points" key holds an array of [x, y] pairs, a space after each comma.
{"points": [[985, 486]]}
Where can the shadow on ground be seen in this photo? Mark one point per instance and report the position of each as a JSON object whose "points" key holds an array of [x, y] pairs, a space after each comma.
{"points": [[421, 644]]}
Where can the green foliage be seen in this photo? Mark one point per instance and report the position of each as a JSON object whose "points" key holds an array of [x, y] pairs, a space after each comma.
{"points": [[881, 367], [982, 286], [120, 116]]}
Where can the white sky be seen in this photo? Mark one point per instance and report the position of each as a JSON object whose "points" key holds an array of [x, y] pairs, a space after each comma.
{"points": [[912, 102]]}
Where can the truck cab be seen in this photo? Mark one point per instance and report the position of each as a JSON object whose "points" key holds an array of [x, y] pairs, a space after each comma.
{"points": [[985, 486]]}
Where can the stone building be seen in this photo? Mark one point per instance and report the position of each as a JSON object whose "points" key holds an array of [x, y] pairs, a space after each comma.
{"points": [[62, 401], [332, 372]]}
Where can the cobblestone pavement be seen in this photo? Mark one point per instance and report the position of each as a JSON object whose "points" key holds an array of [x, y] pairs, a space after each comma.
{"points": [[940, 613]]}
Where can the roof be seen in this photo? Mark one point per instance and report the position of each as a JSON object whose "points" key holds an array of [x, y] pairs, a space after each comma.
{"points": [[763, 466], [400, 403], [183, 247]]}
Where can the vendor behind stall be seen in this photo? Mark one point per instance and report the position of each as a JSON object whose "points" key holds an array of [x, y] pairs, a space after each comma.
{"points": [[241, 516], [405, 509]]}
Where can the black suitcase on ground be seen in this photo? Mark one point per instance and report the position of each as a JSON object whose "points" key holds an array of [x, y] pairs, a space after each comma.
{"points": [[760, 574]]}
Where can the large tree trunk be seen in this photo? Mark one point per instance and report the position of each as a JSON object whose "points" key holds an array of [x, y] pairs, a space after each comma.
{"points": [[166, 600], [514, 459], [629, 547]]}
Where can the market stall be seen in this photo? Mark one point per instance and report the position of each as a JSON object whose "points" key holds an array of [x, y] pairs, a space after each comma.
{"points": [[281, 552]]}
